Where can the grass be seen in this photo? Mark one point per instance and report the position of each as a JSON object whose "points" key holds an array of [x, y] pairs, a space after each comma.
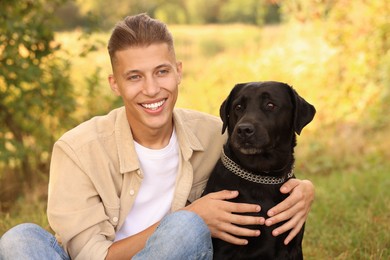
{"points": [[350, 216], [346, 160]]}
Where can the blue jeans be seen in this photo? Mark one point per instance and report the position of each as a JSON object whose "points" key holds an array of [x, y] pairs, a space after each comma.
{"points": [[181, 235], [30, 241]]}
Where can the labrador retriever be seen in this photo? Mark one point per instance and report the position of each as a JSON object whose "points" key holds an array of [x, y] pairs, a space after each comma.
{"points": [[262, 120]]}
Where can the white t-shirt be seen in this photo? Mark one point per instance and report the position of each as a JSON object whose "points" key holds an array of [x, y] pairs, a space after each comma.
{"points": [[155, 196]]}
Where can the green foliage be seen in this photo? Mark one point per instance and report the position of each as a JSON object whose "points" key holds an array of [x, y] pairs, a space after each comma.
{"points": [[244, 11], [171, 14], [107, 13], [35, 92]]}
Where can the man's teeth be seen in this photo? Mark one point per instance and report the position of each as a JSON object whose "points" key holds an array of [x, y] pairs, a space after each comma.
{"points": [[154, 106]]}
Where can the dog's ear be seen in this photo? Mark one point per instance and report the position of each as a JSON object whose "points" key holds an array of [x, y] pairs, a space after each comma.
{"points": [[303, 114], [226, 104]]}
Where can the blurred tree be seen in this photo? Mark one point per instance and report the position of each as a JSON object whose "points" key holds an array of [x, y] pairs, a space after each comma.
{"points": [[256, 12], [172, 13], [245, 11], [36, 96], [106, 13], [359, 32]]}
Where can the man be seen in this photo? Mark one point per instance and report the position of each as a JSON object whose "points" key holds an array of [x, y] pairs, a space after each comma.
{"points": [[128, 184]]}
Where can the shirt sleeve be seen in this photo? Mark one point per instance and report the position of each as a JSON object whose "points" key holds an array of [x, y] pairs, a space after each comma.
{"points": [[75, 210]]}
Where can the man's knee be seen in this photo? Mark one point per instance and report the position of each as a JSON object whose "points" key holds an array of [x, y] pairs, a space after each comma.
{"points": [[23, 233], [190, 225], [187, 229], [29, 241]]}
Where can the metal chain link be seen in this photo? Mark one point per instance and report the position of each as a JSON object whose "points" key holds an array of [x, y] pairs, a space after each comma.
{"points": [[237, 170]]}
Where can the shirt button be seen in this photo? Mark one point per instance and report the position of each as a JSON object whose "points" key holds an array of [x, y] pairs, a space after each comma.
{"points": [[132, 192], [115, 219]]}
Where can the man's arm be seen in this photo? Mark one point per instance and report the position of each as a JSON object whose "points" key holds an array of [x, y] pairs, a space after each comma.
{"points": [[128, 247]]}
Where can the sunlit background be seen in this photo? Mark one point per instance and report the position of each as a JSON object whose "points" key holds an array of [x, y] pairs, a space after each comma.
{"points": [[53, 76]]}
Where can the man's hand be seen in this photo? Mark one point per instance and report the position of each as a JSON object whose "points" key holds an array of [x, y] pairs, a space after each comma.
{"points": [[295, 208], [219, 216]]}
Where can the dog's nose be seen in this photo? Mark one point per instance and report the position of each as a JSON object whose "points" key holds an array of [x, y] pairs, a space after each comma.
{"points": [[245, 130]]}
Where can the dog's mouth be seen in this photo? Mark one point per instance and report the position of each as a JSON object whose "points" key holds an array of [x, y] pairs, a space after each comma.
{"points": [[250, 151], [248, 148]]}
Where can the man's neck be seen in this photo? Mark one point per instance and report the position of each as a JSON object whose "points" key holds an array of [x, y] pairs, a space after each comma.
{"points": [[153, 139]]}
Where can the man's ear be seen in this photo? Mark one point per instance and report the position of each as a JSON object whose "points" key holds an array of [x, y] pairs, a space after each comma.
{"points": [[303, 114], [113, 84], [179, 70]]}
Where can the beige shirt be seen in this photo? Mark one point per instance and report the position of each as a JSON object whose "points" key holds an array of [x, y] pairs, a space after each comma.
{"points": [[95, 176]]}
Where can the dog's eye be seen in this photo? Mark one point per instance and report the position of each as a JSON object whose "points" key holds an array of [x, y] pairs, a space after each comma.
{"points": [[238, 107], [270, 106]]}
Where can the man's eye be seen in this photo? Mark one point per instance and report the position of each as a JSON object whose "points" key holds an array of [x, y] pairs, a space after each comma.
{"points": [[162, 72], [134, 77]]}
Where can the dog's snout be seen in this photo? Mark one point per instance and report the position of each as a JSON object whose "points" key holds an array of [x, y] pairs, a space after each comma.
{"points": [[245, 130]]}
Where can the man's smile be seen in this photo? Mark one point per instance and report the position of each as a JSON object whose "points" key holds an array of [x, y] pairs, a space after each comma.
{"points": [[153, 106]]}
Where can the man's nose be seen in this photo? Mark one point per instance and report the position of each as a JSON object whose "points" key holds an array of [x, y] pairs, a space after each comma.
{"points": [[151, 87]]}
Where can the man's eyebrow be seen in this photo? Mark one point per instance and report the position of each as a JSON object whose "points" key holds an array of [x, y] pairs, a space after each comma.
{"points": [[135, 71], [164, 65]]}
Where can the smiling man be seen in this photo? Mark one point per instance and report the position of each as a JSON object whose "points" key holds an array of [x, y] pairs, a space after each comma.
{"points": [[147, 78], [128, 184]]}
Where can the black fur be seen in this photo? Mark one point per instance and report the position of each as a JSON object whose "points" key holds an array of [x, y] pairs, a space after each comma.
{"points": [[262, 119]]}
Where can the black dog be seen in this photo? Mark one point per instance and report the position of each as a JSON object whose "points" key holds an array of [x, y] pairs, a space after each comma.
{"points": [[262, 119]]}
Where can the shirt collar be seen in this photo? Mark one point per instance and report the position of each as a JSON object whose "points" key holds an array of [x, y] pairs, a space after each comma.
{"points": [[188, 141], [128, 161], [125, 144]]}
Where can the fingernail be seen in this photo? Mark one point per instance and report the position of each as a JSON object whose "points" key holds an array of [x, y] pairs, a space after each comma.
{"points": [[268, 222], [275, 233], [258, 208], [270, 213]]}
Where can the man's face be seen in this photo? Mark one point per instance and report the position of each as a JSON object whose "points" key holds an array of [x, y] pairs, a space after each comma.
{"points": [[147, 79]]}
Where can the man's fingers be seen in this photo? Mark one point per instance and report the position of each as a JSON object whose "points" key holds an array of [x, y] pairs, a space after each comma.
{"points": [[292, 201], [224, 217], [289, 185], [294, 232], [223, 194], [232, 206], [231, 239], [232, 233], [286, 226], [246, 220]]}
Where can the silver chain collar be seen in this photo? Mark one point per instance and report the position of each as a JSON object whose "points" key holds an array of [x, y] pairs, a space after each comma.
{"points": [[249, 176]]}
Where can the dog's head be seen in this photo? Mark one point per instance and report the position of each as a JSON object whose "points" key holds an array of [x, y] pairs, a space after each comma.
{"points": [[262, 119]]}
